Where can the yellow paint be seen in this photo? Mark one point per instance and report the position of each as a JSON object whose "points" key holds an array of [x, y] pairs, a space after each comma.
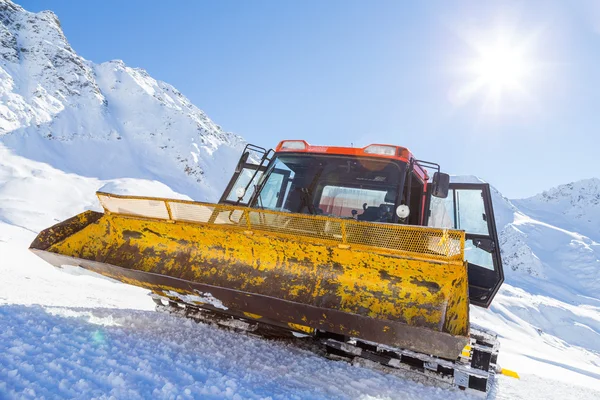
{"points": [[253, 316], [444, 238], [466, 352], [370, 283], [510, 373], [301, 328], [301, 259]]}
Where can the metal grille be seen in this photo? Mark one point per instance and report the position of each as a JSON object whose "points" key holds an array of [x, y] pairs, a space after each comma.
{"points": [[415, 241], [203, 213], [142, 207]]}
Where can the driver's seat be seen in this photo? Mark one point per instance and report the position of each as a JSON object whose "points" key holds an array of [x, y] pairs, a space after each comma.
{"points": [[370, 214]]}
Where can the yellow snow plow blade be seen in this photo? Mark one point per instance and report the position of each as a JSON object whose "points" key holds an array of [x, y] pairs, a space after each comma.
{"points": [[398, 285]]}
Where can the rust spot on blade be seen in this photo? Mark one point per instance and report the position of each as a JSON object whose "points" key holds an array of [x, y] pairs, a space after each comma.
{"points": [[131, 235], [433, 287]]}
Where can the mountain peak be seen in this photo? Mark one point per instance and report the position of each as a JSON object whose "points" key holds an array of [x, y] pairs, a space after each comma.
{"points": [[585, 190], [107, 120], [8, 10], [116, 62], [573, 206]]}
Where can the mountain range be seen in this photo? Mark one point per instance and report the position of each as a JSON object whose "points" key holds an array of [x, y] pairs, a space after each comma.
{"points": [[105, 120]]}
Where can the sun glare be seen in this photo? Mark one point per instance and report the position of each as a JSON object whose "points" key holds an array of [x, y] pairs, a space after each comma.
{"points": [[500, 67], [499, 72]]}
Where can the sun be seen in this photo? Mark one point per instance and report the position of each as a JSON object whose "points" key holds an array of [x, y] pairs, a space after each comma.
{"points": [[499, 71], [501, 67]]}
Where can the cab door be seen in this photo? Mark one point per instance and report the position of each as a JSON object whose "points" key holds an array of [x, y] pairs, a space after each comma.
{"points": [[469, 207]]}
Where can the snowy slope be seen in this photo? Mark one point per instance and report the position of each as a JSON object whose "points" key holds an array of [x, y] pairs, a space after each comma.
{"points": [[548, 310], [107, 121], [140, 355], [106, 349], [69, 127], [574, 206]]}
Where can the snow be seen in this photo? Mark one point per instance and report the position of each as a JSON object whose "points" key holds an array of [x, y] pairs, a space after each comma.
{"points": [[575, 206], [133, 354], [547, 312], [136, 187], [106, 121], [69, 127], [199, 298]]}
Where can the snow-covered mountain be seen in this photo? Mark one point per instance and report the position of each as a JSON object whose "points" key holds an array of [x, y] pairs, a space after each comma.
{"points": [[551, 258], [555, 236], [69, 127], [108, 120], [574, 206], [548, 310]]}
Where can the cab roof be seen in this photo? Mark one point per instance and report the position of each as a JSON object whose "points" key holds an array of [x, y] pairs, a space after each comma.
{"points": [[382, 151]]}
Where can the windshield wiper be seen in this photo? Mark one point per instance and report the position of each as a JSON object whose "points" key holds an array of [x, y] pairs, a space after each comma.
{"points": [[260, 203], [307, 193], [307, 200]]}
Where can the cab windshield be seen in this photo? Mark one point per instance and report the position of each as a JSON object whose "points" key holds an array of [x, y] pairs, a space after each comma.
{"points": [[342, 186]]}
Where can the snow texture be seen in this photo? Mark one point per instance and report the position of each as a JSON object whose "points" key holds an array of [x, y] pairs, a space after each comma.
{"points": [[84, 353], [198, 298], [107, 121], [69, 127]]}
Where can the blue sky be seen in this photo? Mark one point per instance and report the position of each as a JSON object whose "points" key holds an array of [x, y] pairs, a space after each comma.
{"points": [[523, 114]]}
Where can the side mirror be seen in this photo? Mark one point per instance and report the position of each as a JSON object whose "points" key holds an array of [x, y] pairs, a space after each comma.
{"points": [[440, 185], [242, 161]]}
